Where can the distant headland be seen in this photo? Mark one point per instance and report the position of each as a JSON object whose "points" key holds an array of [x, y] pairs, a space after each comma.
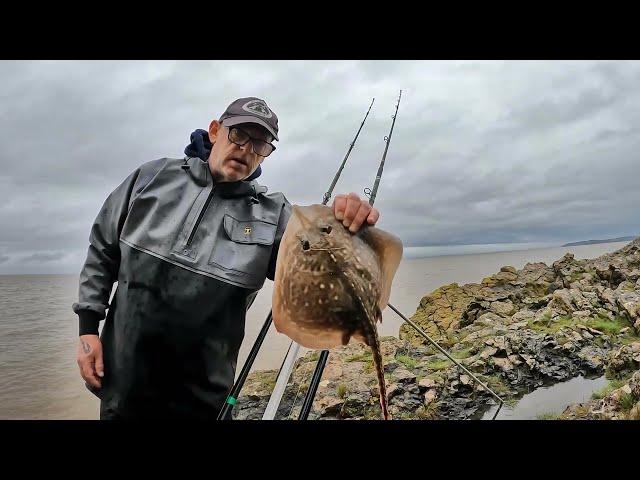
{"points": [[606, 240]]}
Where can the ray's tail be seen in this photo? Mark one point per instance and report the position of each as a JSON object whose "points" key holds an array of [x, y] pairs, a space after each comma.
{"points": [[374, 342]]}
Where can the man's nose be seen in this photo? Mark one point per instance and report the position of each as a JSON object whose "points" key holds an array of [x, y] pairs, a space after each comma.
{"points": [[247, 147]]}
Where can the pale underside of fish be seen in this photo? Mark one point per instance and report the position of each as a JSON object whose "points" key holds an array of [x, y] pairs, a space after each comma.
{"points": [[331, 285]]}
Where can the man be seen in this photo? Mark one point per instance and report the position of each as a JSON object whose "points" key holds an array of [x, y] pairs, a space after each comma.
{"points": [[190, 242]]}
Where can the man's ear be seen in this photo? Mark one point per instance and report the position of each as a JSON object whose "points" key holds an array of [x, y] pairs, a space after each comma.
{"points": [[214, 128]]}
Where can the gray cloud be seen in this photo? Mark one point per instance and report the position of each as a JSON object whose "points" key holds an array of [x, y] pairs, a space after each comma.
{"points": [[43, 257], [482, 152]]}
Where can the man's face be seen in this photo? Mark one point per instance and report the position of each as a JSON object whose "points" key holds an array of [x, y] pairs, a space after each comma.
{"points": [[230, 162]]}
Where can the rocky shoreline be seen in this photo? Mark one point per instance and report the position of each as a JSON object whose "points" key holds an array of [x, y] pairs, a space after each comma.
{"points": [[517, 330]]}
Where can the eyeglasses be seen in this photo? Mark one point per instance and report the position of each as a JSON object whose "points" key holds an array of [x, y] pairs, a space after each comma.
{"points": [[260, 147]]}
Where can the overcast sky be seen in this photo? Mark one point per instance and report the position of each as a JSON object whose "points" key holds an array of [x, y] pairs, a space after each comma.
{"points": [[482, 151]]}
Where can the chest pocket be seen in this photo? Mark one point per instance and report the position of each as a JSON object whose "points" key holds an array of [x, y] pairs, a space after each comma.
{"points": [[245, 247]]}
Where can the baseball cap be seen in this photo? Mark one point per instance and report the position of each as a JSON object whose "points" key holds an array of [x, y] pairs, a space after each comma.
{"points": [[251, 110]]}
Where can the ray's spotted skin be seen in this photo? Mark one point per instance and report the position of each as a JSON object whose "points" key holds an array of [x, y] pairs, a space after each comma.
{"points": [[331, 285]]}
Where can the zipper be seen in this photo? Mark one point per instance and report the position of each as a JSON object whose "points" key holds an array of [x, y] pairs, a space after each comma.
{"points": [[202, 212]]}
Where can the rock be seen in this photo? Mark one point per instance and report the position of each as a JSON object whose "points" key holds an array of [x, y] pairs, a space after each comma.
{"points": [[633, 276], [508, 269], [591, 290], [466, 379], [427, 383], [441, 311], [576, 336], [514, 359], [568, 269], [413, 402], [634, 385], [406, 405], [517, 326], [503, 364], [577, 412], [528, 359], [403, 376], [629, 302], [413, 389], [499, 342], [607, 296], [488, 319], [522, 315], [502, 277], [332, 371], [538, 302], [421, 350], [486, 332], [623, 287], [569, 301], [430, 396], [328, 406], [354, 406], [477, 366], [389, 346], [392, 390], [588, 292], [593, 358], [503, 309], [610, 313], [389, 367], [588, 329], [615, 276], [602, 270], [536, 279], [488, 352], [626, 358], [582, 314], [543, 315]]}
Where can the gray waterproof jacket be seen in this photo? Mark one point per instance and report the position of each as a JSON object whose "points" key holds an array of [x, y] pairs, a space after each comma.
{"points": [[189, 256]]}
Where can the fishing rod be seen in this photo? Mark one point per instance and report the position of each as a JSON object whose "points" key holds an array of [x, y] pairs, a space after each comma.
{"points": [[324, 355], [435, 344], [232, 397], [327, 195], [372, 194], [322, 361]]}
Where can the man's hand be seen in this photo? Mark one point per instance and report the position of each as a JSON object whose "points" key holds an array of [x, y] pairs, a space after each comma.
{"points": [[90, 360], [353, 212]]}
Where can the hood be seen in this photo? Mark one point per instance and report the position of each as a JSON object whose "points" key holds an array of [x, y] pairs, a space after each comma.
{"points": [[200, 147]]}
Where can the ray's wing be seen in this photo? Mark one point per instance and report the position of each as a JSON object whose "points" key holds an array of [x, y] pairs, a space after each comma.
{"points": [[388, 250]]}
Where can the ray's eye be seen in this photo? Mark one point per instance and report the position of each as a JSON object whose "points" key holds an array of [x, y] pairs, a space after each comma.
{"points": [[305, 245], [326, 229]]}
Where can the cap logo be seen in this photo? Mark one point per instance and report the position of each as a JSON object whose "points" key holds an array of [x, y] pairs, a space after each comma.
{"points": [[257, 107]]}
